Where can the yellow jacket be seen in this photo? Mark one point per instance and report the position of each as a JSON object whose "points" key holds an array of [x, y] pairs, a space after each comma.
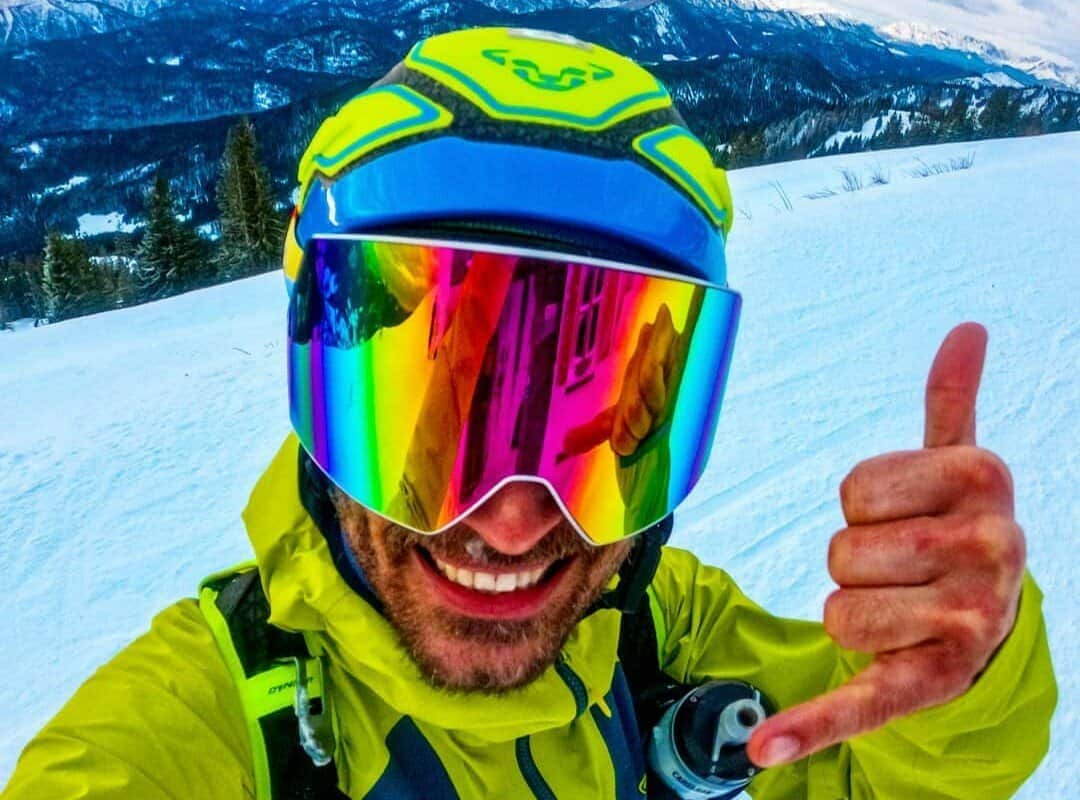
{"points": [[163, 719]]}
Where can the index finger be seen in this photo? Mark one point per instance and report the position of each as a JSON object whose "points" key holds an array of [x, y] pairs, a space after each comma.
{"points": [[953, 385], [894, 685]]}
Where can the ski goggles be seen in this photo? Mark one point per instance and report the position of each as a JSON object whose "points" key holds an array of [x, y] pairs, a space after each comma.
{"points": [[424, 375]]}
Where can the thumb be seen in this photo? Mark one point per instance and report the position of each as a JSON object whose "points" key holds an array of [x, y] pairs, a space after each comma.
{"points": [[953, 386]]}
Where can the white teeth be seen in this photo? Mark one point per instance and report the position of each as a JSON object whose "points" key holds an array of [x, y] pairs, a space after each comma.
{"points": [[489, 582]]}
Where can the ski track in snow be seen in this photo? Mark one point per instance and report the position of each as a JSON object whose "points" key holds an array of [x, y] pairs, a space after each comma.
{"points": [[135, 436]]}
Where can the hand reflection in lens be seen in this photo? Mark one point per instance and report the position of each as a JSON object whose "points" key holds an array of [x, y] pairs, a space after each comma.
{"points": [[649, 388]]}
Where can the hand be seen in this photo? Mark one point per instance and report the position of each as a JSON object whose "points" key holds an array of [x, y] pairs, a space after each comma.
{"points": [[647, 390], [929, 570], [648, 384]]}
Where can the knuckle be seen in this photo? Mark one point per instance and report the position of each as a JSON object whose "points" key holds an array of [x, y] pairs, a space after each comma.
{"points": [[853, 488], [976, 620], [986, 473], [966, 629], [997, 541], [939, 673]]}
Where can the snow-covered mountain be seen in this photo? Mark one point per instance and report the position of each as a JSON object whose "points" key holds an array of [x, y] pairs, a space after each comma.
{"points": [[1043, 69], [136, 435], [918, 33], [25, 21], [183, 61], [112, 89]]}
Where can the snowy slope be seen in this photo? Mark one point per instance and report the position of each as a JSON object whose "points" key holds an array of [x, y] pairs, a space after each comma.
{"points": [[132, 438]]}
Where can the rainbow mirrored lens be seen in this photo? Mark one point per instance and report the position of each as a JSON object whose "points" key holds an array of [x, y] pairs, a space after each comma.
{"points": [[423, 375]]}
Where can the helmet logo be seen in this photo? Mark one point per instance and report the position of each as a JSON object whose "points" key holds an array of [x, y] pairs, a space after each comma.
{"points": [[565, 80]]}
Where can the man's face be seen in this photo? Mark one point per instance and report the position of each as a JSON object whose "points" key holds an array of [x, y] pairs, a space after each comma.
{"points": [[488, 604]]}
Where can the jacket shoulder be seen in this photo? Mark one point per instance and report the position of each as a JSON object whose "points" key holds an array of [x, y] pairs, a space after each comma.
{"points": [[681, 576], [161, 720]]}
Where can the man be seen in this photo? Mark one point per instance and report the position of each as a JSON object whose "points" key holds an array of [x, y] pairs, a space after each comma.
{"points": [[509, 331]]}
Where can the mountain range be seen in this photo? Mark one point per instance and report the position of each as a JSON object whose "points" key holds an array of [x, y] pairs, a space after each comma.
{"points": [[104, 92]]}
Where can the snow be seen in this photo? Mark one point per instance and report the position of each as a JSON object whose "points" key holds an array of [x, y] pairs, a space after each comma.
{"points": [[999, 78], [66, 186], [138, 434], [268, 95], [31, 152], [113, 222], [871, 128], [18, 325], [135, 173], [1051, 68]]}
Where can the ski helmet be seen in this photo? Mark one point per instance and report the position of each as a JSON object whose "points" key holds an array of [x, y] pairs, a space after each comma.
{"points": [[528, 157]]}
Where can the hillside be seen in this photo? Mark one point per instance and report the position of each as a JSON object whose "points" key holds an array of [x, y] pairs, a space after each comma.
{"points": [[134, 437]]}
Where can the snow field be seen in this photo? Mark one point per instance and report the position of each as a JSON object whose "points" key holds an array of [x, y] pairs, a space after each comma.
{"points": [[131, 439]]}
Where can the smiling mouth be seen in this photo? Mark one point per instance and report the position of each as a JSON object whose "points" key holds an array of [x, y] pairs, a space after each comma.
{"points": [[493, 581], [493, 592]]}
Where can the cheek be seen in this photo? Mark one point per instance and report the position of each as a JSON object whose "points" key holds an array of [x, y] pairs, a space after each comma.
{"points": [[597, 568]]}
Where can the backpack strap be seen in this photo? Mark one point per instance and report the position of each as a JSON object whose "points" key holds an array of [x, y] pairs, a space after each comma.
{"points": [[642, 636], [281, 689]]}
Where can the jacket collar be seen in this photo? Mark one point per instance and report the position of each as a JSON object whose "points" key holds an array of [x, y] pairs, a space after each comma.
{"points": [[308, 594]]}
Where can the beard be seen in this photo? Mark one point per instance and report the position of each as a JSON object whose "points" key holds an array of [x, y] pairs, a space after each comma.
{"points": [[458, 652]]}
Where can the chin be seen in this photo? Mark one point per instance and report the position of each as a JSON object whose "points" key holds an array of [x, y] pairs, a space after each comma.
{"points": [[502, 669]]}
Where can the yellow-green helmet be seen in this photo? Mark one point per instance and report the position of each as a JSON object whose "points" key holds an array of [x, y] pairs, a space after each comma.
{"points": [[527, 133]]}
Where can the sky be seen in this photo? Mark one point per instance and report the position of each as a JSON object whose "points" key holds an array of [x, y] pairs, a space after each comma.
{"points": [[1028, 27]]}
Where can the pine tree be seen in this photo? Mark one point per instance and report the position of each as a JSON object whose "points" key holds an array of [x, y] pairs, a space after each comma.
{"points": [[957, 125], [892, 134], [1000, 117], [747, 149], [30, 273], [10, 304], [170, 258], [251, 229], [70, 283]]}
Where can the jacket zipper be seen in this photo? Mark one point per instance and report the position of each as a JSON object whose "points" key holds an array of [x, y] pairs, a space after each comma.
{"points": [[526, 764], [530, 771], [573, 682]]}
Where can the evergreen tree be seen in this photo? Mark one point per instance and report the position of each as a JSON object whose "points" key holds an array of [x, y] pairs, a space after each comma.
{"points": [[170, 257], [29, 271], [893, 133], [1000, 117], [251, 229], [957, 125], [747, 149], [11, 300], [70, 283]]}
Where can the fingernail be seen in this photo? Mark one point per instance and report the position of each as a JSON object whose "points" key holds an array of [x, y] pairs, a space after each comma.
{"points": [[780, 750]]}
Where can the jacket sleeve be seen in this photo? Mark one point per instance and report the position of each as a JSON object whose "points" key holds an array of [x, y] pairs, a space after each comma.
{"points": [[161, 721], [983, 744]]}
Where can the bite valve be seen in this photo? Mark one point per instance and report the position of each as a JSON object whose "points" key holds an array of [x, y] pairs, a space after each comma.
{"points": [[697, 750]]}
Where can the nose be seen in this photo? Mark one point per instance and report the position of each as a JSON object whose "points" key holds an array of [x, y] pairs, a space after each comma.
{"points": [[516, 517]]}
